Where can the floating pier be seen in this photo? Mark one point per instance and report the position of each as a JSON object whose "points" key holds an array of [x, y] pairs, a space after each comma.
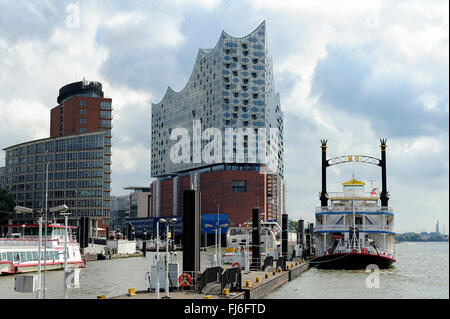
{"points": [[255, 285]]}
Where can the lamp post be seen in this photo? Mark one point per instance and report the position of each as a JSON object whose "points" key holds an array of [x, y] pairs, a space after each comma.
{"points": [[63, 209], [220, 242], [218, 235], [21, 209], [172, 221], [157, 257], [46, 219]]}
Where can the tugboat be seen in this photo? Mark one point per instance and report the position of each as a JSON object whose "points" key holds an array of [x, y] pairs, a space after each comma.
{"points": [[355, 231]]}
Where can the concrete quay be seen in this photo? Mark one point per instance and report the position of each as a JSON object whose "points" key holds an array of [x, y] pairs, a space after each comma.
{"points": [[256, 290]]}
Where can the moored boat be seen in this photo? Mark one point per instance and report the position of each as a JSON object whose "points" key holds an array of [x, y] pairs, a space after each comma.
{"points": [[357, 229], [19, 250], [354, 231]]}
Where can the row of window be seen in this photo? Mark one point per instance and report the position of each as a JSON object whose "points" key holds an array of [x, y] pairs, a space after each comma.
{"points": [[23, 256]]}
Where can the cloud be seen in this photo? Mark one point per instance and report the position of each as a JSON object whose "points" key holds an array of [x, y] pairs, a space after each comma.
{"points": [[347, 72]]}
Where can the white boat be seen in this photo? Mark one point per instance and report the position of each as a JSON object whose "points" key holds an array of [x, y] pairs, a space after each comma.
{"points": [[355, 231], [239, 239], [19, 250]]}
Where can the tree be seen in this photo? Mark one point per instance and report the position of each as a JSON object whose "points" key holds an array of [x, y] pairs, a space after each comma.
{"points": [[293, 225], [6, 205]]}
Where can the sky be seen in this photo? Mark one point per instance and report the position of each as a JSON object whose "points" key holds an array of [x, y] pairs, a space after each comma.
{"points": [[351, 72]]}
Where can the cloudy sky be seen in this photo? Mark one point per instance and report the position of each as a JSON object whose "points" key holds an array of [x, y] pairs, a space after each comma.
{"points": [[348, 71]]}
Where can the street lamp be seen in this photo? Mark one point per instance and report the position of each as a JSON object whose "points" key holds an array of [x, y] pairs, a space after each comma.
{"points": [[21, 209], [218, 236], [162, 220], [172, 221], [63, 211]]}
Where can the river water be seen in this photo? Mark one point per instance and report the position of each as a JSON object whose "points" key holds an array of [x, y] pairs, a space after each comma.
{"points": [[421, 271]]}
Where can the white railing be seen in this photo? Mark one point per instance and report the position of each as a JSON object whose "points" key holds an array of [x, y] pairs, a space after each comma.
{"points": [[18, 243], [349, 194], [361, 228], [357, 209]]}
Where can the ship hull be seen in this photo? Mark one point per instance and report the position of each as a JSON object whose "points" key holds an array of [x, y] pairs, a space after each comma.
{"points": [[351, 261]]}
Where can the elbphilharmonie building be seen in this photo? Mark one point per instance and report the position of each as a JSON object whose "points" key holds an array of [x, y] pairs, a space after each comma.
{"points": [[228, 108]]}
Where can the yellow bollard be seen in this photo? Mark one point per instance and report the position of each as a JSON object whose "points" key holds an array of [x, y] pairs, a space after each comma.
{"points": [[279, 269], [226, 292], [101, 297], [131, 291], [258, 279], [248, 283], [266, 275], [274, 272], [208, 297]]}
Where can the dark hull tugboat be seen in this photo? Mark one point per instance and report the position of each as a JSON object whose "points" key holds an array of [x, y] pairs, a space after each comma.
{"points": [[355, 231]]}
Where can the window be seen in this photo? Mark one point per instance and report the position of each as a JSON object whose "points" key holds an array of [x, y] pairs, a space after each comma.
{"points": [[83, 103], [83, 112], [83, 121], [105, 105], [239, 186]]}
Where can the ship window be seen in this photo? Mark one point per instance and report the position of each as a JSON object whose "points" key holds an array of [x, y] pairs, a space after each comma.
{"points": [[9, 256], [35, 255], [16, 257], [29, 256]]}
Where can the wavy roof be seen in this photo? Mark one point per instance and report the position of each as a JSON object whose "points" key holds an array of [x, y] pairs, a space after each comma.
{"points": [[203, 53]]}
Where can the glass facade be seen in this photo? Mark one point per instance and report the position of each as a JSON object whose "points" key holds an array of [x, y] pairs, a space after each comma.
{"points": [[73, 168], [231, 86]]}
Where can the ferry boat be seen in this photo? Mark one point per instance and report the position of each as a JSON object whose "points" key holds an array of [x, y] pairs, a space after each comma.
{"points": [[354, 231], [19, 249], [238, 239]]}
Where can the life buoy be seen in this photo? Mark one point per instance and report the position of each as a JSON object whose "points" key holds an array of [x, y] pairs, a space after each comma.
{"points": [[184, 279], [236, 264]]}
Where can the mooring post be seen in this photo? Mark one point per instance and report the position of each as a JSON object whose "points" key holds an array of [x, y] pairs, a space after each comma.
{"points": [[284, 235], [191, 232], [256, 233]]}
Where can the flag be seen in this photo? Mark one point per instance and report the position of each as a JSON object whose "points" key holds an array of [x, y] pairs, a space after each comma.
{"points": [[374, 191]]}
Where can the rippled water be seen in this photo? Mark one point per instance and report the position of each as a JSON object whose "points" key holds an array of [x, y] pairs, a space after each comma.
{"points": [[104, 277], [421, 271]]}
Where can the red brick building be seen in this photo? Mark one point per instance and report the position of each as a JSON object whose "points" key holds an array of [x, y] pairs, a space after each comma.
{"points": [[236, 192], [82, 109]]}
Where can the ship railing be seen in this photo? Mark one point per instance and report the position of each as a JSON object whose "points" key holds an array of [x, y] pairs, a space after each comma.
{"points": [[357, 209], [361, 228], [18, 243]]}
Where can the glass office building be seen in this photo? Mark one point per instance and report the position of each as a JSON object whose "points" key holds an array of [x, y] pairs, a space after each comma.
{"points": [[75, 169]]}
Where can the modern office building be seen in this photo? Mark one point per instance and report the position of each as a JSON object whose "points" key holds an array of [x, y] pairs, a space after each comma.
{"points": [[134, 206], [119, 210], [2, 177], [222, 134], [73, 165], [82, 109]]}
